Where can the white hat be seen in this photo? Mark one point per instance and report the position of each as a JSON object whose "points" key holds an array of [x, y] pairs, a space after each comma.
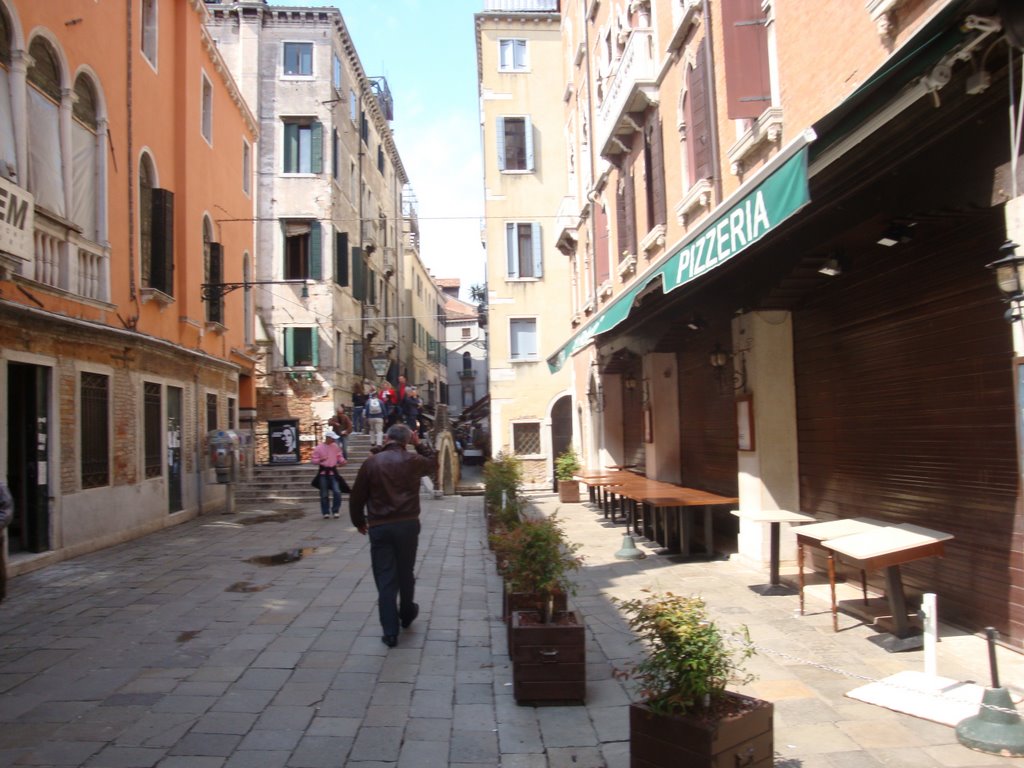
{"points": [[331, 434]]}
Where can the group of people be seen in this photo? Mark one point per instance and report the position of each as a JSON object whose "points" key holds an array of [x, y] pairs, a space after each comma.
{"points": [[385, 499], [375, 410]]}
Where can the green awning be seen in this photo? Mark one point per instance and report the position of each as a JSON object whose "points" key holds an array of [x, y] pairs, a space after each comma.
{"points": [[766, 200]]}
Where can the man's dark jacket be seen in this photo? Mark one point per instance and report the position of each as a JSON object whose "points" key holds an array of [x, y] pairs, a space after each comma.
{"points": [[387, 487]]}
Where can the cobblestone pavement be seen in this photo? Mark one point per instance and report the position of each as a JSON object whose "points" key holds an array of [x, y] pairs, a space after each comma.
{"points": [[190, 648]]}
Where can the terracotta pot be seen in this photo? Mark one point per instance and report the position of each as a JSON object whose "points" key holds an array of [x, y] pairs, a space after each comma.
{"points": [[549, 664], [667, 741], [568, 491]]}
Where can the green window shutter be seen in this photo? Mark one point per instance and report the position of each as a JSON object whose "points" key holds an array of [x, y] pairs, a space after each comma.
{"points": [[314, 343], [316, 149], [358, 276], [315, 250], [538, 260], [161, 269], [291, 147], [341, 258], [501, 143], [371, 279], [289, 347]]}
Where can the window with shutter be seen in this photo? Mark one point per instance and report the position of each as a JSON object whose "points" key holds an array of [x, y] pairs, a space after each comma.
{"points": [[515, 143], [745, 40], [215, 275], [698, 129], [601, 262], [523, 249], [358, 275], [303, 147], [654, 160], [315, 250], [297, 249], [341, 258], [161, 264]]}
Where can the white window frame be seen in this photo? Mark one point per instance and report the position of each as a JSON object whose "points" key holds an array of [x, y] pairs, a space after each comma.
{"points": [[531, 357], [512, 254], [336, 72], [149, 33], [206, 109], [527, 140], [298, 75], [513, 55]]}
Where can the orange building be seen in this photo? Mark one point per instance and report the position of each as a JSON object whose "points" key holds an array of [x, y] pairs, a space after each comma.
{"points": [[126, 185]]}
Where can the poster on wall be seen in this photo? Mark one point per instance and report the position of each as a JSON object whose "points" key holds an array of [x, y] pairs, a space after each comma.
{"points": [[283, 435]]}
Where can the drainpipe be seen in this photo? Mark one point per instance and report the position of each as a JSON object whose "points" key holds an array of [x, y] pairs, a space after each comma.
{"points": [[590, 142], [716, 178], [131, 159]]}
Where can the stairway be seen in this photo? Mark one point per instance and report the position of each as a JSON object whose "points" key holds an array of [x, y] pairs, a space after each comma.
{"points": [[288, 485]]}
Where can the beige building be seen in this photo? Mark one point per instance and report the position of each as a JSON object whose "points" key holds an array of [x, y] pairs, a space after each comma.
{"points": [[525, 164]]}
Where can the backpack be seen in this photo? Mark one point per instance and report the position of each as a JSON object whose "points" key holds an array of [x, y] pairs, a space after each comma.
{"points": [[373, 407]]}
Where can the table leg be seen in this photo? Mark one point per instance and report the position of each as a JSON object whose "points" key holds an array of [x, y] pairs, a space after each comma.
{"points": [[864, 585], [685, 530], [897, 600], [832, 588], [774, 566], [800, 578]]}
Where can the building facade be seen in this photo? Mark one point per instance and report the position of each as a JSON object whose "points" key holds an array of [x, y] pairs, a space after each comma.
{"points": [[329, 224], [466, 341], [115, 362], [525, 181], [780, 257]]}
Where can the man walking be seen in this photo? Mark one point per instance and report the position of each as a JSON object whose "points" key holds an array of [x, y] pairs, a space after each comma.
{"points": [[385, 503]]}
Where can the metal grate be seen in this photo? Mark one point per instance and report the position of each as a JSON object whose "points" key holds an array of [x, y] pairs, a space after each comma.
{"points": [[526, 438], [151, 416], [211, 412], [95, 436]]}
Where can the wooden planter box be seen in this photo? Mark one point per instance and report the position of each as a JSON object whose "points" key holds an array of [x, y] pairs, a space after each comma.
{"points": [[743, 740], [527, 601], [548, 660], [568, 491]]}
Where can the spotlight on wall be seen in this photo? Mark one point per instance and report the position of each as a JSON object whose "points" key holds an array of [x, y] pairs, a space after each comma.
{"points": [[831, 267], [897, 232], [696, 323], [629, 382]]}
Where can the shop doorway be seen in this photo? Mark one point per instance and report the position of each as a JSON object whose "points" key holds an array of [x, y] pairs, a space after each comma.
{"points": [[28, 438], [174, 406]]}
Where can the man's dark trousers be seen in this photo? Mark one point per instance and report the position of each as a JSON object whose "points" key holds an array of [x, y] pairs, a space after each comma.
{"points": [[393, 556]]}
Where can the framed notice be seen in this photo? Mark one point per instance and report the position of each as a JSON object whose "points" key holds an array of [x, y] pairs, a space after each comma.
{"points": [[745, 423]]}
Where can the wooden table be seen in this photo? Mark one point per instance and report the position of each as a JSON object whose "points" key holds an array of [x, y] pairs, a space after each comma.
{"points": [[815, 535], [597, 483], [889, 547], [684, 502], [775, 518]]}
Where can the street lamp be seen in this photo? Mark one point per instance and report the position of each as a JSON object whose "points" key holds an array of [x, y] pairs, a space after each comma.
{"points": [[1009, 269]]}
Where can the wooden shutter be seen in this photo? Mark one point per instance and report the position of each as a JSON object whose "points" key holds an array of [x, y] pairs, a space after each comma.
{"points": [[500, 140], [161, 271], [289, 347], [358, 274], [316, 148], [698, 129], [314, 346], [528, 138], [341, 258], [630, 214], [215, 274], [621, 236], [601, 261], [315, 250], [538, 256], [747, 86], [291, 147], [511, 250], [657, 180]]}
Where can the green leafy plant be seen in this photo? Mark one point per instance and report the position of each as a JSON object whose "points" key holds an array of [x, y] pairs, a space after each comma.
{"points": [[536, 557], [503, 485], [690, 660], [567, 464]]}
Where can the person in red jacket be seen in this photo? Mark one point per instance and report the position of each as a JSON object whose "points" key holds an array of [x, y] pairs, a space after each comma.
{"points": [[385, 504]]}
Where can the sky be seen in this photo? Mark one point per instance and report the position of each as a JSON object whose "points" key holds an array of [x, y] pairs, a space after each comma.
{"points": [[427, 51]]}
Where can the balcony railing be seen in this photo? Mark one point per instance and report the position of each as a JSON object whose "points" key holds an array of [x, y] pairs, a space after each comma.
{"points": [[465, 374], [65, 260], [631, 86]]}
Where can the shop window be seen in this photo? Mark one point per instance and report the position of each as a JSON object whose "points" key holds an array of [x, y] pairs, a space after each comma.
{"points": [[152, 430]]}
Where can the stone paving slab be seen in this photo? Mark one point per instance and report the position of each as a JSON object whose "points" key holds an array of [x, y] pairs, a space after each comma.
{"points": [[179, 650]]}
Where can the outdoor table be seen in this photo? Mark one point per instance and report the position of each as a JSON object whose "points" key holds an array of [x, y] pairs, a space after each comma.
{"points": [[775, 517], [814, 535], [889, 547], [684, 502], [597, 483]]}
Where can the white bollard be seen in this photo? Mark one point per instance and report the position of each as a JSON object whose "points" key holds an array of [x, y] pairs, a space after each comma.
{"points": [[930, 616]]}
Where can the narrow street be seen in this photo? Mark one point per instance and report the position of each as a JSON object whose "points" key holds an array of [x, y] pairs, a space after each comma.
{"points": [[186, 649]]}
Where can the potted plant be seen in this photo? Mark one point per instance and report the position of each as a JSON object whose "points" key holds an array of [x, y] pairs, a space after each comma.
{"points": [[686, 715], [503, 483], [547, 646], [567, 464]]}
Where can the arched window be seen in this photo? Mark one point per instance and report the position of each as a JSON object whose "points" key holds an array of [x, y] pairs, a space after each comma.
{"points": [[147, 181], [8, 155], [84, 182], [44, 152], [213, 271], [467, 361]]}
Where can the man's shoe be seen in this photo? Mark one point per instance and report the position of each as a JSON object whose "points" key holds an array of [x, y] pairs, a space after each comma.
{"points": [[389, 640], [412, 618], [336, 515], [327, 517]]}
